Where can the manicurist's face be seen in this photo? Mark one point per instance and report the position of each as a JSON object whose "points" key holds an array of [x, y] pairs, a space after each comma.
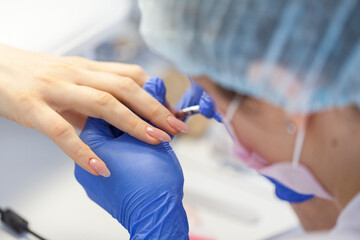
{"points": [[259, 126], [330, 140], [263, 129]]}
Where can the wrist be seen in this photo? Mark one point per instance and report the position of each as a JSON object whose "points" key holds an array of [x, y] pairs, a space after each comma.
{"points": [[163, 218]]}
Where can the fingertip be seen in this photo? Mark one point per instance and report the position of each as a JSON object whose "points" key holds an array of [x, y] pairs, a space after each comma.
{"points": [[87, 168], [158, 134], [178, 124], [171, 129], [206, 112], [152, 141], [99, 167], [207, 108], [145, 136]]}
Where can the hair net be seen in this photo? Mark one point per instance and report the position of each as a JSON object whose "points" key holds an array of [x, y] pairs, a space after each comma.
{"points": [[301, 55]]}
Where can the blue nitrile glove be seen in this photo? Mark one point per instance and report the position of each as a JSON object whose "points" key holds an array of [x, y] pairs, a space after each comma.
{"points": [[195, 95], [145, 189]]}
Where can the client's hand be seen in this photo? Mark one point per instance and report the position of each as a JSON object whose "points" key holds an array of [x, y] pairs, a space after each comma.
{"points": [[145, 190], [51, 93]]}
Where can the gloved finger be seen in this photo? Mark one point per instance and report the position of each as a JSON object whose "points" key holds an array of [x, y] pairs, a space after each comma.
{"points": [[196, 96], [96, 129], [95, 103], [191, 97], [156, 88], [218, 116], [207, 107], [132, 71], [64, 135], [127, 91]]}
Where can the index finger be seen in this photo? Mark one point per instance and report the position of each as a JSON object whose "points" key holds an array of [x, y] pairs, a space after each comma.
{"points": [[98, 104], [134, 97]]}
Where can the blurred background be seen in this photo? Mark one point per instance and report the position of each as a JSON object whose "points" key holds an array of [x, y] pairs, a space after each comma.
{"points": [[223, 199]]}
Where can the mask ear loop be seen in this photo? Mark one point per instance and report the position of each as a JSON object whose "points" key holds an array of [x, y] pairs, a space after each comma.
{"points": [[299, 142], [231, 110], [233, 106]]}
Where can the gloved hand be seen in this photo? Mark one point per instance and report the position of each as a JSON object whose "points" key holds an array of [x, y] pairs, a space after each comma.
{"points": [[145, 189], [195, 95]]}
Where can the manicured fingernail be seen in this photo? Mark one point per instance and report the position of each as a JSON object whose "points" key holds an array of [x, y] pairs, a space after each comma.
{"points": [[158, 134], [178, 124], [99, 167]]}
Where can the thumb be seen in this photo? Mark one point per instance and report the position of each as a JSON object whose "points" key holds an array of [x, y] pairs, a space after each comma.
{"points": [[97, 128], [156, 87]]}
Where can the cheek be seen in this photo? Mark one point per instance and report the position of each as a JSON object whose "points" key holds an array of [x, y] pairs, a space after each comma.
{"points": [[264, 133], [260, 127]]}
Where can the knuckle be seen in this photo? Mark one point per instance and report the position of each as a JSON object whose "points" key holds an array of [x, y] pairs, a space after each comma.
{"points": [[57, 72], [65, 67], [30, 109], [25, 100], [49, 76], [31, 105], [103, 99], [28, 101], [133, 124], [158, 110], [126, 84], [81, 153], [80, 62], [60, 129], [75, 60], [139, 73]]}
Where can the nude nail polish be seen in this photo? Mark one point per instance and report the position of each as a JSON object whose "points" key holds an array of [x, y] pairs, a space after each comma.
{"points": [[99, 167], [178, 124], [158, 134]]}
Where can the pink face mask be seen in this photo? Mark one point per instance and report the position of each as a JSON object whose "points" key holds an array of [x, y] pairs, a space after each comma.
{"points": [[292, 175]]}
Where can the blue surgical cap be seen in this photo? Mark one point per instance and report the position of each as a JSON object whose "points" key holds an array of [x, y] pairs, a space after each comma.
{"points": [[301, 55]]}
